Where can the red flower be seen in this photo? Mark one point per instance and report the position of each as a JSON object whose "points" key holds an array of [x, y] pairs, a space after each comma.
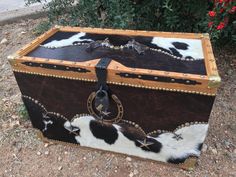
{"points": [[210, 24], [220, 26], [220, 1], [222, 10], [212, 13], [232, 10]]}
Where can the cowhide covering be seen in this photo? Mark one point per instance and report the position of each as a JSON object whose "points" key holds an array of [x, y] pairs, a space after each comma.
{"points": [[186, 48], [155, 53], [173, 147]]}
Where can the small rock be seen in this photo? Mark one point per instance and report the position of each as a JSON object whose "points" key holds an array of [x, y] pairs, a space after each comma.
{"points": [[226, 143], [218, 145], [59, 158], [60, 168], [131, 174], [39, 153], [135, 172], [128, 159], [46, 152], [135, 164], [4, 125], [14, 124], [84, 158], [46, 145], [115, 171], [5, 99], [22, 32], [214, 151], [3, 41], [14, 116], [65, 152], [204, 148]]}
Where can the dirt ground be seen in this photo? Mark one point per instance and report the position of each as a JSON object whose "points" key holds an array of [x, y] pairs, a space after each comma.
{"points": [[22, 154]]}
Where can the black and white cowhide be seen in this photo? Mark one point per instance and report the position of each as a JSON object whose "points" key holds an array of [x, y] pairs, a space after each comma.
{"points": [[173, 147], [74, 39], [170, 147], [180, 47], [186, 48]]}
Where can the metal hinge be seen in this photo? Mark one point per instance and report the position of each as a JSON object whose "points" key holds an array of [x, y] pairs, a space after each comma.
{"points": [[214, 81]]}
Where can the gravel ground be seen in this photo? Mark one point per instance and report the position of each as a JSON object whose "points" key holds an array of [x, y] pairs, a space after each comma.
{"points": [[22, 154]]}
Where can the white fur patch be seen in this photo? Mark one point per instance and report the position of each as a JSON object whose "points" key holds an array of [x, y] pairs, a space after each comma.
{"points": [[186, 143], [194, 46], [67, 42]]}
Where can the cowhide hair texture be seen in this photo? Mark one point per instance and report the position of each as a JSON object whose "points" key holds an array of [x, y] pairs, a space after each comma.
{"points": [[173, 147], [180, 47]]}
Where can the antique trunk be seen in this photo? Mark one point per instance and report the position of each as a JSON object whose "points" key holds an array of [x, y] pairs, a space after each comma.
{"points": [[144, 94]]}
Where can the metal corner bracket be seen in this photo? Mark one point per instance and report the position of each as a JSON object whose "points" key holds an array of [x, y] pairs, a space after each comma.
{"points": [[13, 57], [214, 81]]}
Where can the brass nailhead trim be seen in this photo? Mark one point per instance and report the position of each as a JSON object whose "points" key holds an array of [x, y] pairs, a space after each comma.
{"points": [[117, 83]]}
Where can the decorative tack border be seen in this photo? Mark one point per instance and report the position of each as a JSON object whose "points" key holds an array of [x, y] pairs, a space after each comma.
{"points": [[117, 83]]}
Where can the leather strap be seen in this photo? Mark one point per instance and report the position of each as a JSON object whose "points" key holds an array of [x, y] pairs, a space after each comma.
{"points": [[101, 72], [101, 102]]}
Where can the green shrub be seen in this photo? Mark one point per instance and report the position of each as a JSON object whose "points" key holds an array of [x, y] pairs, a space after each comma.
{"points": [[42, 27], [23, 112], [161, 15]]}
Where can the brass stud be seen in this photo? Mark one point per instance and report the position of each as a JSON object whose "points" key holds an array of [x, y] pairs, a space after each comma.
{"points": [[139, 76]]}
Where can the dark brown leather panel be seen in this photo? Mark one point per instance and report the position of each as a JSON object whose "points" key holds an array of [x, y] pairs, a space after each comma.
{"points": [[151, 109]]}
